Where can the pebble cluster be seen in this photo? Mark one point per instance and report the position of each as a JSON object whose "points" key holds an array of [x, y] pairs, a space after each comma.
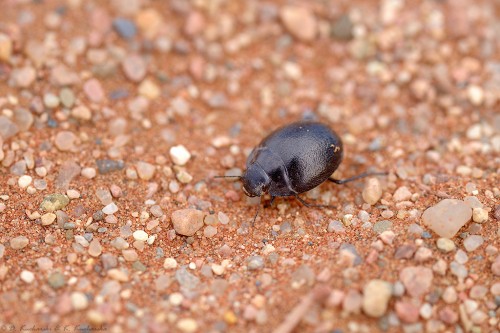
{"points": [[115, 116]]}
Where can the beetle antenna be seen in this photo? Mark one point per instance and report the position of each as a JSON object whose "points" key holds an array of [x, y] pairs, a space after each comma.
{"points": [[362, 175], [227, 177], [256, 213]]}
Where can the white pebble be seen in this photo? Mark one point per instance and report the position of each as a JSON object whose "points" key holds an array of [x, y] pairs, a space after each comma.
{"points": [[170, 263], [24, 181], [180, 155], [140, 235], [176, 299], [73, 194], [89, 173], [79, 300], [479, 215], [27, 276], [110, 209]]}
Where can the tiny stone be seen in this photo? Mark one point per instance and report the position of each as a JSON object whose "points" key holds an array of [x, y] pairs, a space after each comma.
{"points": [[416, 279], [130, 255], [336, 226], [107, 166], [134, 67], [48, 218], [461, 257], [402, 194], [145, 170], [56, 280], [407, 311], [44, 263], [187, 221], [19, 242], [89, 173], [24, 181], [450, 295], [187, 325], [140, 235], [95, 248], [445, 244], [110, 209], [125, 28], [27, 276], [79, 301], [382, 226], [255, 263], [376, 296], [447, 217], [180, 155], [170, 263], [372, 192], [210, 231], [472, 242], [65, 141], [479, 215], [300, 22]]}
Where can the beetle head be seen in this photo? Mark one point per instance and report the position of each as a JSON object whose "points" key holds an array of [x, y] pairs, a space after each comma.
{"points": [[255, 181]]}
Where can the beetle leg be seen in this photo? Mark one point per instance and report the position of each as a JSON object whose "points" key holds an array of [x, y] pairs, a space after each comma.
{"points": [[362, 175], [308, 205], [257, 212]]}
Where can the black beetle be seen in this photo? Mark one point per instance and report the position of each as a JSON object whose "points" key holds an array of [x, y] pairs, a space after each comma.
{"points": [[294, 159]]}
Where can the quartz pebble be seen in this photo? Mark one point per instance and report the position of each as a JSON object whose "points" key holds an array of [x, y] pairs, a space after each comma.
{"points": [[180, 155], [140, 235], [402, 194], [445, 244], [447, 217], [27, 276], [416, 279], [110, 209], [187, 221], [479, 215], [372, 192], [19, 242], [472, 242], [300, 22], [79, 301], [24, 181], [376, 295], [145, 170]]}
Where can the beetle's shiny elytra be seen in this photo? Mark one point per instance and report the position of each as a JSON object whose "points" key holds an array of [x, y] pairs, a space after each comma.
{"points": [[293, 159]]}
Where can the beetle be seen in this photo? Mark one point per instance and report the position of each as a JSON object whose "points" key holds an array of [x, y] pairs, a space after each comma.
{"points": [[294, 159]]}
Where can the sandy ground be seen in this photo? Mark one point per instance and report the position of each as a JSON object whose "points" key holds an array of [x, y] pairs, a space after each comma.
{"points": [[116, 115]]}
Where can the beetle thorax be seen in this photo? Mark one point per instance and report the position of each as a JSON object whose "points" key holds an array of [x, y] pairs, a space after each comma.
{"points": [[255, 181]]}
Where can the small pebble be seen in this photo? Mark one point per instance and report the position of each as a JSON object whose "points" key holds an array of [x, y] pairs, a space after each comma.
{"points": [[187, 221], [447, 217], [300, 22], [79, 301], [140, 235], [472, 242], [416, 279], [125, 28], [48, 218], [376, 296], [24, 181], [479, 215], [19, 242], [27, 276], [372, 192], [170, 263], [110, 209], [445, 244], [180, 155]]}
